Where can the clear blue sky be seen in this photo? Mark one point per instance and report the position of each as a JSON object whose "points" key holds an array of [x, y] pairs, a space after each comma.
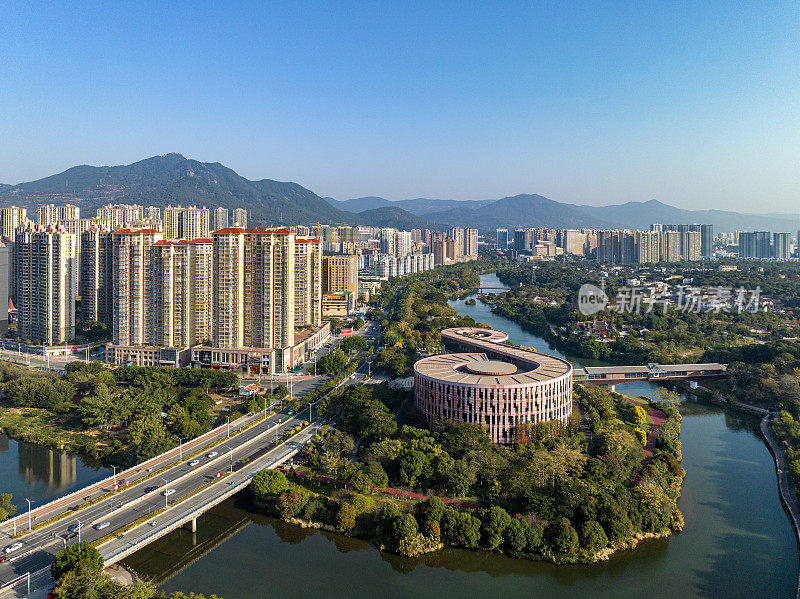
{"points": [[693, 103]]}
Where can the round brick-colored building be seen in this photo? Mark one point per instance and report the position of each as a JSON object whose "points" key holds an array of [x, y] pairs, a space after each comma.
{"points": [[493, 384]]}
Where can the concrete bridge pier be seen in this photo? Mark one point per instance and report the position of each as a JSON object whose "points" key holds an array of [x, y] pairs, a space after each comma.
{"points": [[192, 525], [612, 388]]}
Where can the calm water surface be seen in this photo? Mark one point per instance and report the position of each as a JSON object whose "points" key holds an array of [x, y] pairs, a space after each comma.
{"points": [[737, 541], [41, 474]]}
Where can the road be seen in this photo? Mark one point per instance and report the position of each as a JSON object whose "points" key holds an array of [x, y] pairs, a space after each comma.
{"points": [[145, 493], [141, 497]]}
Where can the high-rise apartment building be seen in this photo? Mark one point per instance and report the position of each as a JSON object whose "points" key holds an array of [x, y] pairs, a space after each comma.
{"points": [[10, 219], [647, 246], [152, 213], [239, 218], [573, 241], [670, 246], [457, 235], [51, 214], [46, 283], [120, 215], [220, 218], [133, 273], [403, 243], [388, 238], [253, 288], [471, 243], [691, 244], [340, 274], [182, 273], [707, 241], [308, 268], [95, 282], [755, 244], [186, 222], [6, 266], [501, 236], [781, 245]]}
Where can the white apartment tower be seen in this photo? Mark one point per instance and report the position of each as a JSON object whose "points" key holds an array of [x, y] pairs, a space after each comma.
{"points": [[133, 288], [10, 219], [220, 218], [240, 218], [307, 282], [186, 223], [254, 288], [46, 283], [181, 281], [96, 275], [51, 214]]}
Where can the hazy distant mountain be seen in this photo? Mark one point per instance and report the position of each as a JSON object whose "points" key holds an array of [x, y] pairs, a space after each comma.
{"points": [[359, 204], [641, 214], [173, 179], [523, 210], [418, 206]]}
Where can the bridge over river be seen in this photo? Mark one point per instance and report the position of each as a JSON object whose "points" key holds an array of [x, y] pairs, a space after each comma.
{"points": [[125, 512]]}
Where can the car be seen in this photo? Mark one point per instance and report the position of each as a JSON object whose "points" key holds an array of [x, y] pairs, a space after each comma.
{"points": [[102, 525], [194, 463], [2, 558], [73, 528], [290, 412], [13, 547], [70, 535], [168, 492], [150, 489], [212, 454]]}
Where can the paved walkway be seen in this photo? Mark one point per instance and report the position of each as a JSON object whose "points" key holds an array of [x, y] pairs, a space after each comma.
{"points": [[785, 487], [659, 418]]}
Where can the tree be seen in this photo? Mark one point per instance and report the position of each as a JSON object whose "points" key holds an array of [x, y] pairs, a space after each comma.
{"points": [[346, 517], [563, 539], [354, 342], [268, 484], [516, 535], [404, 527], [291, 502], [73, 556], [7, 508], [495, 522], [593, 537], [412, 465], [638, 415], [332, 363]]}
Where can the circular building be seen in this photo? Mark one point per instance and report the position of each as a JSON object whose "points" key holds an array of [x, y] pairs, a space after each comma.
{"points": [[491, 383]]}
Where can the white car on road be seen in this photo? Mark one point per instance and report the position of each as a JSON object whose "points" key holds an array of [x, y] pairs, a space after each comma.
{"points": [[211, 454], [194, 463], [102, 525], [168, 492], [13, 547]]}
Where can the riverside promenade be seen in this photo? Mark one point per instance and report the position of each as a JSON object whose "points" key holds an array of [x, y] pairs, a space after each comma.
{"points": [[785, 487]]}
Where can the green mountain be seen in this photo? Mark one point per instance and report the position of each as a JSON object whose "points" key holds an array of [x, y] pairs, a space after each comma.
{"points": [[173, 179]]}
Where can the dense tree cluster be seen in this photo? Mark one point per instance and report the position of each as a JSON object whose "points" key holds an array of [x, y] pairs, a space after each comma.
{"points": [[561, 492]]}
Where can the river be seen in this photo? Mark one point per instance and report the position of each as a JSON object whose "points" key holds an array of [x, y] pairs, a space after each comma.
{"points": [[41, 473], [737, 541]]}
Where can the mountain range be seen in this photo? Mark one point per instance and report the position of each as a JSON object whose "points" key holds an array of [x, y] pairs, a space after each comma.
{"points": [[174, 179]]}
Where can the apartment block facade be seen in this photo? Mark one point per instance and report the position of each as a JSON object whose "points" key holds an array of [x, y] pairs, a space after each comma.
{"points": [[95, 282], [46, 283], [186, 222]]}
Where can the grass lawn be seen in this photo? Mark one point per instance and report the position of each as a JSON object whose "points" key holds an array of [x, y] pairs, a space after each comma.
{"points": [[46, 428]]}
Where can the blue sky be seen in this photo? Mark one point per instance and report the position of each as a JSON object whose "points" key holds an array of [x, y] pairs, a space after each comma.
{"points": [[694, 104]]}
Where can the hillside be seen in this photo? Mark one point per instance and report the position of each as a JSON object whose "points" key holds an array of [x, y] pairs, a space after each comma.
{"points": [[392, 216], [173, 179]]}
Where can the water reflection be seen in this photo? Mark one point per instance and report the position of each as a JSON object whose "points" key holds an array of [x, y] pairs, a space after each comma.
{"points": [[41, 473], [42, 464]]}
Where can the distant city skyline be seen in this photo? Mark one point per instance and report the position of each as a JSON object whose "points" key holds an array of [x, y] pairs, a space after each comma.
{"points": [[695, 106]]}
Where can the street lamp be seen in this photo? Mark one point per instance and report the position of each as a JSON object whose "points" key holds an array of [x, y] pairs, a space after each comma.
{"points": [[115, 475], [30, 526], [166, 496], [230, 455], [180, 448], [79, 531], [229, 425]]}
